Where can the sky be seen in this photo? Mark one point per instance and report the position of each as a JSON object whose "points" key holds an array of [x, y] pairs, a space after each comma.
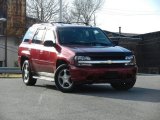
{"points": [[133, 16]]}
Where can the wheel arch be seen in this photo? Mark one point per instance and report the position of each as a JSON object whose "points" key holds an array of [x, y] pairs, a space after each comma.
{"points": [[60, 62], [23, 58]]}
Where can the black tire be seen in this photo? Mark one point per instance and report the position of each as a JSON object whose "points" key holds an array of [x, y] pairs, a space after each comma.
{"points": [[27, 75], [62, 79], [124, 84]]}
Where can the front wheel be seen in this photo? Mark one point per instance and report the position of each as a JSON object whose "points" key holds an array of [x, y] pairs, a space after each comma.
{"points": [[63, 79], [124, 84], [27, 75]]}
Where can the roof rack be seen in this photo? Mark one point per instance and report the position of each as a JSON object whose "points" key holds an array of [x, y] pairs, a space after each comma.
{"points": [[82, 23], [59, 23]]}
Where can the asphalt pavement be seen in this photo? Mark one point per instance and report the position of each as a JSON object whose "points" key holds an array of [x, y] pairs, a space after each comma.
{"points": [[89, 102]]}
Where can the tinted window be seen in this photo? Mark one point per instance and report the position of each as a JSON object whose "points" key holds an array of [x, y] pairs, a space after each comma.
{"points": [[29, 34], [38, 38], [99, 35], [83, 36]]}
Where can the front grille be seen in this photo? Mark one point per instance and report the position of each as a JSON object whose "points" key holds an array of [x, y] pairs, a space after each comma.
{"points": [[109, 57]]}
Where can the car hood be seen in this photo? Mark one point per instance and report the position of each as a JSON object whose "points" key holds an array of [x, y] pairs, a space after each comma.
{"points": [[99, 50]]}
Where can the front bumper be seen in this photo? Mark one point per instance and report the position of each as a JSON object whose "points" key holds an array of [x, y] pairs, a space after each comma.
{"points": [[101, 75]]}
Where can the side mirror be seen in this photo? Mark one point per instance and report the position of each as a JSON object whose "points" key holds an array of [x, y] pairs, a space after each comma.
{"points": [[116, 42], [49, 43]]}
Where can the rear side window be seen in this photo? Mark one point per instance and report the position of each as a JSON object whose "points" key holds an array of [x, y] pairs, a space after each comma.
{"points": [[38, 37], [29, 34]]}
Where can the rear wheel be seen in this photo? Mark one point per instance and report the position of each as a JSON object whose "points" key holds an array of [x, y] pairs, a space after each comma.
{"points": [[27, 75], [124, 85], [63, 79]]}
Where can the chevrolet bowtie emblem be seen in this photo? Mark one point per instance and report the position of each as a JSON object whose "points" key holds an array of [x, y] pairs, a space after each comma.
{"points": [[109, 61]]}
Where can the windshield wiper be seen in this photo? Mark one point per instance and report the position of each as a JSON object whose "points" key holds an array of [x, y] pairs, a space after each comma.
{"points": [[77, 43], [94, 43]]}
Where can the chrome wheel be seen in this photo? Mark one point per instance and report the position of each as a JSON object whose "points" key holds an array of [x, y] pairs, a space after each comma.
{"points": [[64, 79], [26, 73]]}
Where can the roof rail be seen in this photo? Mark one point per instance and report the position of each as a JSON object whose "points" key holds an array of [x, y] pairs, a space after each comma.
{"points": [[82, 23], [59, 23]]}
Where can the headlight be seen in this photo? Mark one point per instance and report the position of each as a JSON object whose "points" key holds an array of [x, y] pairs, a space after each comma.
{"points": [[132, 60], [82, 58]]}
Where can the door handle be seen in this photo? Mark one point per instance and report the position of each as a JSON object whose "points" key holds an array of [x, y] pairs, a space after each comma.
{"points": [[41, 51]]}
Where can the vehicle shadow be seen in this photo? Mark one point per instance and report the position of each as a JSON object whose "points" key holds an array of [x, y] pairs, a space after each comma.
{"points": [[135, 94], [52, 87]]}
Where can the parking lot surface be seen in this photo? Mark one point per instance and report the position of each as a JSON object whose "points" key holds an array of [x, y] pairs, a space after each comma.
{"points": [[88, 102]]}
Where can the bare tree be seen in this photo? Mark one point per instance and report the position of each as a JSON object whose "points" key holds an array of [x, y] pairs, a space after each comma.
{"points": [[44, 10], [68, 14], [83, 10]]}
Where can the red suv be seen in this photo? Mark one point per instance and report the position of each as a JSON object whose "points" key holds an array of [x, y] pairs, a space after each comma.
{"points": [[74, 54]]}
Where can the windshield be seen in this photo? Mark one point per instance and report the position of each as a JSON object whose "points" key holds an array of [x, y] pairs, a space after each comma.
{"points": [[83, 36]]}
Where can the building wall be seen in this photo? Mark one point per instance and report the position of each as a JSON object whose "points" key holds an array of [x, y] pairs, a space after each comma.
{"points": [[12, 47], [14, 28], [14, 11], [16, 17], [146, 48], [149, 50], [2, 51]]}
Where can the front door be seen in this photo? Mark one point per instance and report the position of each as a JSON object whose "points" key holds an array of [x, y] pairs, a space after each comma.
{"points": [[48, 55]]}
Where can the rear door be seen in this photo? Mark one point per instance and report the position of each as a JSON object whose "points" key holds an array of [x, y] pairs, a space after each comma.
{"points": [[35, 49]]}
